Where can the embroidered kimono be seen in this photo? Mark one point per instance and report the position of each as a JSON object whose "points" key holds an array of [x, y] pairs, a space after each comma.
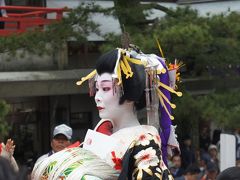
{"points": [[135, 154], [142, 157]]}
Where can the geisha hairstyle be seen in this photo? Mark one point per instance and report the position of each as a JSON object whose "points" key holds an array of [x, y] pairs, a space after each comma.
{"points": [[132, 88], [144, 79]]}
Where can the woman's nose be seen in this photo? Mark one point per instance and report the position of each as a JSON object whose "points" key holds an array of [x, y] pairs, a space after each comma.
{"points": [[97, 100], [97, 97]]}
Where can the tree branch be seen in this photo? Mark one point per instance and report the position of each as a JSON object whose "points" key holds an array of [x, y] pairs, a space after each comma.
{"points": [[159, 7]]}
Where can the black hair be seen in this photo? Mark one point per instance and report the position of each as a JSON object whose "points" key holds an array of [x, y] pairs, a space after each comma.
{"points": [[231, 173], [192, 169], [133, 87]]}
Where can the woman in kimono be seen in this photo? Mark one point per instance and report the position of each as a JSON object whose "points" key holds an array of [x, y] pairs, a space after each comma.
{"points": [[125, 80]]}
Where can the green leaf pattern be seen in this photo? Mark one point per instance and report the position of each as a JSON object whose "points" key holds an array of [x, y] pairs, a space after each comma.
{"points": [[72, 167]]}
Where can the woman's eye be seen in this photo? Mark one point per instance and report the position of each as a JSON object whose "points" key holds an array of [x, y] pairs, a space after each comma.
{"points": [[106, 88], [96, 89]]}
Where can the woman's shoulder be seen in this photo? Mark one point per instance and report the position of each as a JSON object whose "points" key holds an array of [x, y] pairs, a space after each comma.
{"points": [[150, 129], [148, 134], [145, 130], [141, 129], [141, 134]]}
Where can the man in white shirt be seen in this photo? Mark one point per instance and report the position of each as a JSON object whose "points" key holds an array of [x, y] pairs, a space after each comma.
{"points": [[62, 135]]}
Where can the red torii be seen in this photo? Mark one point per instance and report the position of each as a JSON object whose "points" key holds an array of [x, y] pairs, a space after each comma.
{"points": [[28, 18]]}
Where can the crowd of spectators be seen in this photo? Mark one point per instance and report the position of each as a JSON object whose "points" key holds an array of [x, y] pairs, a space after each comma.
{"points": [[201, 164]]}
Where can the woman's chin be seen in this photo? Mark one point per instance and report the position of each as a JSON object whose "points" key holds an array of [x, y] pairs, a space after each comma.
{"points": [[103, 116]]}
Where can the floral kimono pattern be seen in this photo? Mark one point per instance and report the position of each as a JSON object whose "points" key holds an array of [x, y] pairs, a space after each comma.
{"points": [[143, 160], [136, 156]]}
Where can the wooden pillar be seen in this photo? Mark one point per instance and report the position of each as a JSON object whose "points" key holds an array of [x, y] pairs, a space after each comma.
{"points": [[62, 56]]}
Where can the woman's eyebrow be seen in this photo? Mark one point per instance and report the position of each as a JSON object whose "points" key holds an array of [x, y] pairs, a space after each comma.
{"points": [[105, 81]]}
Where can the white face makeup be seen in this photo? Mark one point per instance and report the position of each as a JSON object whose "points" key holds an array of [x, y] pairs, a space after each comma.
{"points": [[106, 99]]}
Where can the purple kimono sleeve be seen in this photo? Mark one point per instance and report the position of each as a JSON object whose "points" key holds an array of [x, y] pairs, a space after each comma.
{"points": [[165, 121]]}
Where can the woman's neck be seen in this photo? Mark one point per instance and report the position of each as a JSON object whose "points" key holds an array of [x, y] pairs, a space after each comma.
{"points": [[128, 119]]}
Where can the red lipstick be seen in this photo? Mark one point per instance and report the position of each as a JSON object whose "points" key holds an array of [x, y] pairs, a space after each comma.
{"points": [[100, 108]]}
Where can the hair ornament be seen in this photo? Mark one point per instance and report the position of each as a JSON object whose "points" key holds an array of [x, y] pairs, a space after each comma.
{"points": [[173, 73], [89, 76], [154, 66]]}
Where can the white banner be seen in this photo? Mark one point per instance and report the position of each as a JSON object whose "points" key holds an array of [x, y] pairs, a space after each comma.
{"points": [[227, 151]]}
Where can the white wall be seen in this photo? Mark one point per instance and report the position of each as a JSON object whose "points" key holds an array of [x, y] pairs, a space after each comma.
{"points": [[107, 24]]}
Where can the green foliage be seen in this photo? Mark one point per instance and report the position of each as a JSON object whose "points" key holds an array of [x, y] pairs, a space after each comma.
{"points": [[201, 42], [187, 113], [211, 41], [4, 126], [179, 40], [134, 18], [226, 109], [221, 108], [77, 25]]}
